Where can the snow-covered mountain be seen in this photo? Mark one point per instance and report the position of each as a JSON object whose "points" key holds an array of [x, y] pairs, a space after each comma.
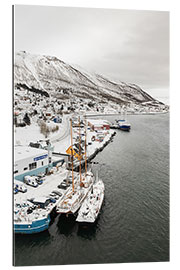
{"points": [[52, 77]]}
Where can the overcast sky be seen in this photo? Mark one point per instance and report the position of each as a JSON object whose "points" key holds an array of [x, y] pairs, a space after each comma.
{"points": [[127, 45]]}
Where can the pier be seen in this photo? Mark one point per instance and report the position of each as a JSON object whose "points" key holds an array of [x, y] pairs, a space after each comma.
{"points": [[57, 174]]}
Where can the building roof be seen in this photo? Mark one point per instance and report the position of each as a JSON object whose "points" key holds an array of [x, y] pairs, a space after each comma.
{"points": [[40, 199], [98, 122], [23, 152]]}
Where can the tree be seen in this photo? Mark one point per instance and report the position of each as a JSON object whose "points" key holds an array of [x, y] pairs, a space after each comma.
{"points": [[26, 119]]}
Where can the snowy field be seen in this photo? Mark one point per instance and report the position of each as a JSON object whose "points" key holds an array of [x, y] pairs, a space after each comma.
{"points": [[27, 134]]}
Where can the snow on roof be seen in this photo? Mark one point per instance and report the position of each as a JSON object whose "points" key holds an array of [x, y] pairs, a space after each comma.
{"points": [[97, 122], [57, 158], [40, 199], [22, 152]]}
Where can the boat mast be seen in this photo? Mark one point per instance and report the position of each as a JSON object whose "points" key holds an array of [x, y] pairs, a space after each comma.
{"points": [[72, 156], [80, 152], [85, 147]]}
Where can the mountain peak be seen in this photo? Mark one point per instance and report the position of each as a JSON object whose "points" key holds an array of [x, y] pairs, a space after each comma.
{"points": [[63, 81]]}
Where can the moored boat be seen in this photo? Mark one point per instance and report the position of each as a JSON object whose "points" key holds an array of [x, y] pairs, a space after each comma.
{"points": [[123, 125], [29, 219], [80, 186], [74, 198], [91, 206], [33, 226]]}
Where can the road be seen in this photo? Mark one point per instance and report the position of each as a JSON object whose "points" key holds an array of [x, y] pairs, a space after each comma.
{"points": [[62, 142], [66, 129]]}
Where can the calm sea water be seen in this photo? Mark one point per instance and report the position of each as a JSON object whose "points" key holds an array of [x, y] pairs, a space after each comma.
{"points": [[133, 225]]}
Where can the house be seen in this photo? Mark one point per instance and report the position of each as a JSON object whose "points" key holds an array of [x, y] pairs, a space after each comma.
{"points": [[96, 124]]}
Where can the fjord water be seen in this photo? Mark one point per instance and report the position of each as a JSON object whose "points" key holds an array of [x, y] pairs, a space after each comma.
{"points": [[133, 225]]}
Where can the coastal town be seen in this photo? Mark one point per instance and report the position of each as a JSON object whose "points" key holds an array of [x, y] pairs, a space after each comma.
{"points": [[54, 141], [90, 122], [44, 107], [43, 174], [44, 170]]}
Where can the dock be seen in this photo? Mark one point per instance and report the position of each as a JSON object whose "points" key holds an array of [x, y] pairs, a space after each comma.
{"points": [[114, 126], [57, 174]]}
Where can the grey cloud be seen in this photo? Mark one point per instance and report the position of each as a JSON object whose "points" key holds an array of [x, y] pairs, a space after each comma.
{"points": [[129, 45]]}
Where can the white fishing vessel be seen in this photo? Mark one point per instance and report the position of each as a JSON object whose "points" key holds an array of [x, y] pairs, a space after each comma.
{"points": [[91, 206]]}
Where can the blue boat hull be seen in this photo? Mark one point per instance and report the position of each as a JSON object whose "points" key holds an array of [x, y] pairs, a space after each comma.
{"points": [[123, 125], [125, 128], [34, 227]]}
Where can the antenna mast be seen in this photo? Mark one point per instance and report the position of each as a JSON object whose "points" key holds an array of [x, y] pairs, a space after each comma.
{"points": [[85, 147], [80, 152], [72, 156]]}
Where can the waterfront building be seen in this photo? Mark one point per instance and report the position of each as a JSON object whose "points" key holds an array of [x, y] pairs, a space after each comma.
{"points": [[30, 161], [96, 124]]}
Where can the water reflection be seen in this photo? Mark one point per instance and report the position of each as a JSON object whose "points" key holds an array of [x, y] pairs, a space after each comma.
{"points": [[87, 231], [133, 224], [32, 239], [66, 224]]}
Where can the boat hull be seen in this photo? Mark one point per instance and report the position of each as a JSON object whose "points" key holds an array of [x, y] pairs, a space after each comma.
{"points": [[91, 216], [125, 128], [34, 227], [123, 125]]}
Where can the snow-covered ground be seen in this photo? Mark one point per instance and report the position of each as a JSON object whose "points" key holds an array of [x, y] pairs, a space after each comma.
{"points": [[61, 139], [61, 144], [50, 183], [27, 134]]}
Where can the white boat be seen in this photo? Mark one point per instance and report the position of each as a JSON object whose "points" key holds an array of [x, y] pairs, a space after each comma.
{"points": [[73, 199], [91, 206]]}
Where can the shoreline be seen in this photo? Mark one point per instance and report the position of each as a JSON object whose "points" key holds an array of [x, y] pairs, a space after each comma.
{"points": [[56, 177], [114, 114]]}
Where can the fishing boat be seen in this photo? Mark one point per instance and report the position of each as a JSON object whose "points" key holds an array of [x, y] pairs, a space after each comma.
{"points": [[91, 206], [123, 125], [29, 219], [80, 186]]}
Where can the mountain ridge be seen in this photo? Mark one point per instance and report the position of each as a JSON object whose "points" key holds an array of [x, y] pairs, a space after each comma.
{"points": [[54, 77]]}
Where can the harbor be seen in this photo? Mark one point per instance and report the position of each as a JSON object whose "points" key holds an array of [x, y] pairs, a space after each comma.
{"points": [[90, 121], [53, 180], [133, 222]]}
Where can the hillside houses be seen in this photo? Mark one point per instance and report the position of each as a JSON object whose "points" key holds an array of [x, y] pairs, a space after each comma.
{"points": [[39, 106]]}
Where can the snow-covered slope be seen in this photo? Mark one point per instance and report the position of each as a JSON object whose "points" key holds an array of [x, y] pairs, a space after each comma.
{"points": [[61, 80]]}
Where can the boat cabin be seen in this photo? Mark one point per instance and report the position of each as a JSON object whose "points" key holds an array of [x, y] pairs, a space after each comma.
{"points": [[42, 202]]}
